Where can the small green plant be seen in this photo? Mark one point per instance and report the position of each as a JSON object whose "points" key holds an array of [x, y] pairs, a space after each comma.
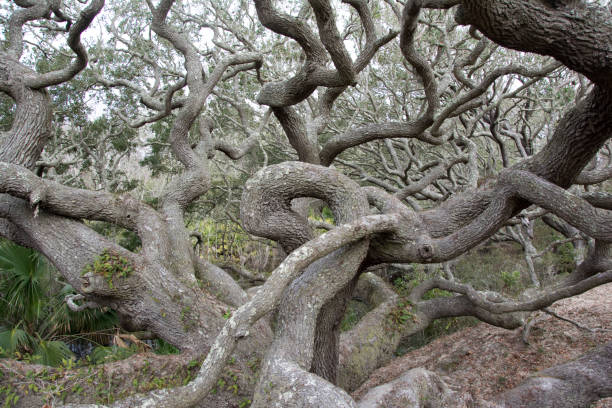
{"points": [[111, 266], [511, 279], [162, 347], [10, 396], [349, 320], [402, 314], [566, 258], [404, 286], [436, 293], [102, 354], [355, 310], [254, 363], [185, 311]]}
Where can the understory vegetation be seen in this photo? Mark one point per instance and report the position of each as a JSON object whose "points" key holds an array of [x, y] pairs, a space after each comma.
{"points": [[49, 333]]}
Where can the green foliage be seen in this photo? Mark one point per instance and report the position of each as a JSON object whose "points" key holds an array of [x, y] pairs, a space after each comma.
{"points": [[164, 348], [566, 95], [223, 241], [7, 109], [8, 396], [156, 159], [102, 141], [52, 352], [565, 258], [34, 319], [511, 279], [438, 328], [401, 315], [403, 286], [24, 277], [88, 325], [349, 321], [104, 354], [493, 267], [14, 339], [436, 293], [111, 266], [123, 237], [327, 215], [562, 258], [354, 312]]}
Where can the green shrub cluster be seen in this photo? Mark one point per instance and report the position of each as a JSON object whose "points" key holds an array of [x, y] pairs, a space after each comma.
{"points": [[110, 266]]}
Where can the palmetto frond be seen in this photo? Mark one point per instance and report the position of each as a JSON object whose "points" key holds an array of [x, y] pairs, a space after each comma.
{"points": [[24, 277], [14, 339], [51, 353]]}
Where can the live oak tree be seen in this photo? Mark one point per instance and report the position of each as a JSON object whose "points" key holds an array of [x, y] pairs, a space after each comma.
{"points": [[451, 138]]}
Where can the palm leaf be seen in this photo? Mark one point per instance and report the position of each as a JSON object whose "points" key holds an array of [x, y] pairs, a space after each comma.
{"points": [[14, 339], [62, 321], [51, 353], [24, 276]]}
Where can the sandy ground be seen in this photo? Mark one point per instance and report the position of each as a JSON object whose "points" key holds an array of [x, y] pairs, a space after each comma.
{"points": [[485, 360]]}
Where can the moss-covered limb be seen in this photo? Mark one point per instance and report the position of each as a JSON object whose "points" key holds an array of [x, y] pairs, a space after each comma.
{"points": [[374, 340], [372, 289]]}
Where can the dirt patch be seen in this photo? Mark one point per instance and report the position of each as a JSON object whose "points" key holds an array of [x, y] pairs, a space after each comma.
{"points": [[486, 360]]}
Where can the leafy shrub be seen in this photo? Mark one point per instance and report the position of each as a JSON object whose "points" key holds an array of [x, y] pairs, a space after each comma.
{"points": [[511, 279], [566, 258], [162, 347], [105, 354]]}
